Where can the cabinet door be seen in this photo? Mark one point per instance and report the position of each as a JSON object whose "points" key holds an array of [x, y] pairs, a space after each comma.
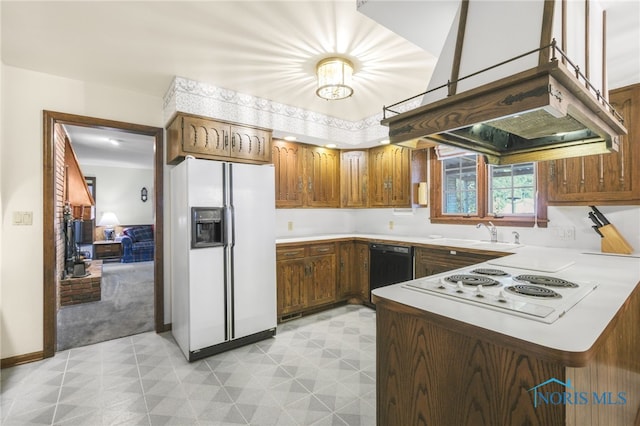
{"points": [[291, 279], [353, 179], [203, 136], [361, 269], [250, 144], [612, 178], [399, 169], [346, 268], [378, 177], [431, 261], [322, 171], [321, 283], [287, 159]]}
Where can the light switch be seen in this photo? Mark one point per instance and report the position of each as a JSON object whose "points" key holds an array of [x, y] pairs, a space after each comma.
{"points": [[27, 218], [17, 218], [22, 218]]}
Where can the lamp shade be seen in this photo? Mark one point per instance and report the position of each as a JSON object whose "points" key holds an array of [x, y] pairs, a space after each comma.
{"points": [[334, 78], [108, 219]]}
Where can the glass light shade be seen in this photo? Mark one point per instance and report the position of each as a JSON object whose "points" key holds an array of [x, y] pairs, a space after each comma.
{"points": [[108, 219], [334, 78]]}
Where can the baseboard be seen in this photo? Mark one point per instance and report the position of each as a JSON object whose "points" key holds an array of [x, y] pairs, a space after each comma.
{"points": [[163, 328], [12, 361]]}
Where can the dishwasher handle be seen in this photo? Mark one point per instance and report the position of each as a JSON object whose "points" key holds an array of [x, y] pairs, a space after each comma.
{"points": [[391, 248]]}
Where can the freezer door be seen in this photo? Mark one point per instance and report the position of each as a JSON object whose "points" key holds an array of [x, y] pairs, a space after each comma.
{"points": [[207, 284], [253, 248], [207, 298]]}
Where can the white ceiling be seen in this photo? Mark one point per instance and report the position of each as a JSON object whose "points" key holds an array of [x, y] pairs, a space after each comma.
{"points": [[264, 48], [100, 147]]}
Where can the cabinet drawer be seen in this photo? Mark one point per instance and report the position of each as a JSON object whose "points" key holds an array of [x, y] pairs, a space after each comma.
{"points": [[290, 253], [108, 250], [320, 249]]}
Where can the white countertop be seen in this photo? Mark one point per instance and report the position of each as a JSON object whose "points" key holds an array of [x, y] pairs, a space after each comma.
{"points": [[576, 331], [456, 242]]}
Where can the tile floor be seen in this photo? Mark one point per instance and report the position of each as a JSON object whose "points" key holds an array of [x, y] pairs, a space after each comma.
{"points": [[318, 370]]}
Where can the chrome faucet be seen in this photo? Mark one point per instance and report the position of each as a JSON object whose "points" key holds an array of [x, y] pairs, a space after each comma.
{"points": [[493, 231], [516, 237]]}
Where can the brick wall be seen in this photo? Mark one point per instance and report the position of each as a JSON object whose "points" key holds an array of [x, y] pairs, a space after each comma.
{"points": [[59, 138], [82, 290]]}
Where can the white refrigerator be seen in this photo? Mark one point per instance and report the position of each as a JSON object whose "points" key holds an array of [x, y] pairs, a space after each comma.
{"points": [[223, 261]]}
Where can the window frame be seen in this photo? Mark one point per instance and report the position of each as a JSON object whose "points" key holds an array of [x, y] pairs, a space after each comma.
{"points": [[482, 215]]}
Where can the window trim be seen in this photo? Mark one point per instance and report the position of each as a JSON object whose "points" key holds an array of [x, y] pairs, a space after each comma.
{"points": [[482, 216]]}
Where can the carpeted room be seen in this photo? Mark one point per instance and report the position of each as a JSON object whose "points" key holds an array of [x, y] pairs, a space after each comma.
{"points": [[126, 307]]}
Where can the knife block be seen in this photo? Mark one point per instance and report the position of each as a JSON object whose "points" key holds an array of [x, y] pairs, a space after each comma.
{"points": [[612, 241]]}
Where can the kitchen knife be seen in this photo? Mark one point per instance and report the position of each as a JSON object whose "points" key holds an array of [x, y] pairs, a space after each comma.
{"points": [[594, 219], [595, 228], [600, 216]]}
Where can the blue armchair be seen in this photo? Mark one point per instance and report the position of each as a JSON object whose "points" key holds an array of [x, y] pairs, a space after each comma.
{"points": [[137, 244]]}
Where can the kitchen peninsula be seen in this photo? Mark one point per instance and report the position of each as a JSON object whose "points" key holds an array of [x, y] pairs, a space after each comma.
{"points": [[443, 362]]}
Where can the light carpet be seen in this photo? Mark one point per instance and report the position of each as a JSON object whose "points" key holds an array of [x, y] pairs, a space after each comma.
{"points": [[126, 308]]}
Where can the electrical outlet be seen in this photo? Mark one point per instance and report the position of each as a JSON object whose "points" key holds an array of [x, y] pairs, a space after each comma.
{"points": [[563, 232], [390, 224], [290, 226]]}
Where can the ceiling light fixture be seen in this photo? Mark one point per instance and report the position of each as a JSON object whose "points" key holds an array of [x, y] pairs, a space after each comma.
{"points": [[334, 78]]}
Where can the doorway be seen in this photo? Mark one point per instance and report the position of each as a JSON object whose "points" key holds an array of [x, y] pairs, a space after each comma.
{"points": [[50, 150]]}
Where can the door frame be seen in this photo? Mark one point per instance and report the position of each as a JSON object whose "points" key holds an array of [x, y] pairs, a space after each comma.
{"points": [[50, 119]]}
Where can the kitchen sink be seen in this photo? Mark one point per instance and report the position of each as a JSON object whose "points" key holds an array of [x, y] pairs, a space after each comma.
{"points": [[453, 242], [500, 245]]}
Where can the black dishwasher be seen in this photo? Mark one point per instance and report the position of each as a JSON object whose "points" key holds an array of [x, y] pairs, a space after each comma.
{"points": [[390, 264]]}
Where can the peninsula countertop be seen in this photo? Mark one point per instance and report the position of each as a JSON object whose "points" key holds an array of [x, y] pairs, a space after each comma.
{"points": [[571, 336]]}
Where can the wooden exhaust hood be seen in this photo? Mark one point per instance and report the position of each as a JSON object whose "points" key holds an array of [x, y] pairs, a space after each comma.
{"points": [[515, 110]]}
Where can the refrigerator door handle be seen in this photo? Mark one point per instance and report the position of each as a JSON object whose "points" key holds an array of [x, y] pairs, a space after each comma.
{"points": [[232, 223]]}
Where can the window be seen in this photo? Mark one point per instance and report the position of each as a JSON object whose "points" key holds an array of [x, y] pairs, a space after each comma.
{"points": [[465, 189], [512, 189], [460, 189]]}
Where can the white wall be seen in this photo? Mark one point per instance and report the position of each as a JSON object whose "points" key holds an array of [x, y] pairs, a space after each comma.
{"points": [[118, 191], [305, 222], [28, 93], [407, 222]]}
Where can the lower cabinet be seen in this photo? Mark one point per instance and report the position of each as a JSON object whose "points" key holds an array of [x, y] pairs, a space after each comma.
{"points": [[353, 270], [306, 277], [319, 274], [431, 261]]}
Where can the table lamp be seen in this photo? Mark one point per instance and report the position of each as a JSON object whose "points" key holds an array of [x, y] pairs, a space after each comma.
{"points": [[109, 220]]}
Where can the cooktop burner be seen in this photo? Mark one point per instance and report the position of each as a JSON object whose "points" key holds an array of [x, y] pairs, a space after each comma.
{"points": [[533, 290], [489, 271], [544, 280], [472, 280]]}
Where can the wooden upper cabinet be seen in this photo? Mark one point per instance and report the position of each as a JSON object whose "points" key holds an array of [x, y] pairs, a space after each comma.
{"points": [[211, 139], [322, 177], [250, 143], [312, 176], [287, 159], [354, 176], [203, 136], [389, 176], [612, 178], [306, 175]]}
